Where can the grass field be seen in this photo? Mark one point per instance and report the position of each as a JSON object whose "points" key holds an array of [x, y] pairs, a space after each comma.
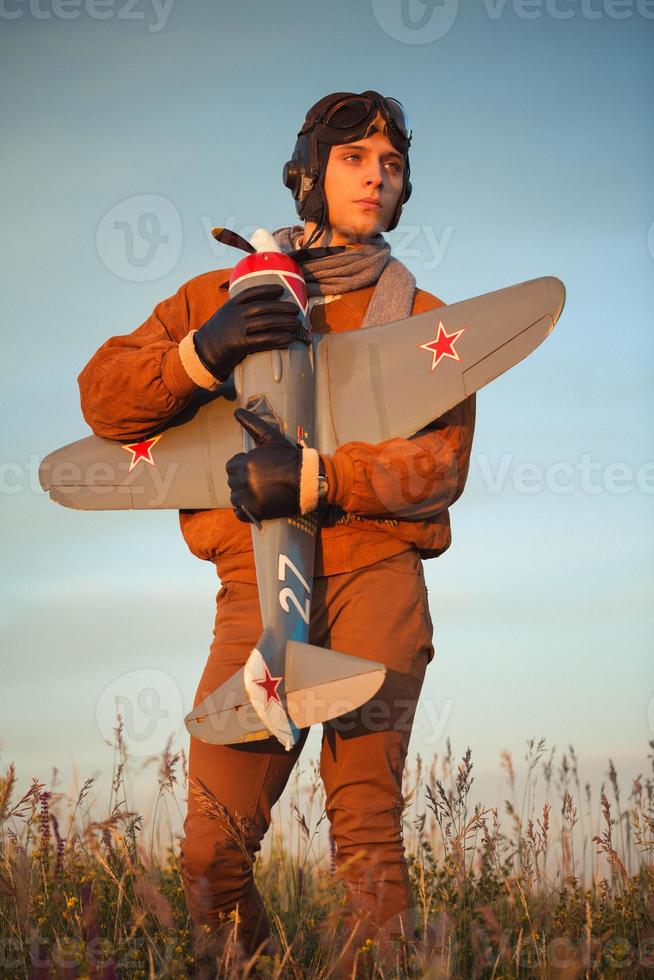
{"points": [[558, 889]]}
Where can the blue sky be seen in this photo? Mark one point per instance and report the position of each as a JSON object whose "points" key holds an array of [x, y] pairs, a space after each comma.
{"points": [[533, 154]]}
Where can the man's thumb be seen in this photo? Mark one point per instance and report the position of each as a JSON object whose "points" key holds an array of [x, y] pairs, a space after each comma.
{"points": [[261, 431]]}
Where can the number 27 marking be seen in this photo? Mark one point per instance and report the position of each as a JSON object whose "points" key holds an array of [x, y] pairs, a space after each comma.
{"points": [[287, 595]]}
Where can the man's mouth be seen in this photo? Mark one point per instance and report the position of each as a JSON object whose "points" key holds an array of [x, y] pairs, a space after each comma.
{"points": [[369, 202]]}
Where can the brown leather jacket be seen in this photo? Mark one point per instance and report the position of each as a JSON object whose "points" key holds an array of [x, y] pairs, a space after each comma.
{"points": [[386, 498]]}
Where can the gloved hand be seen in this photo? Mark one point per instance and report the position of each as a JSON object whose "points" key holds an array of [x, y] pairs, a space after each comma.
{"points": [[254, 320], [265, 482]]}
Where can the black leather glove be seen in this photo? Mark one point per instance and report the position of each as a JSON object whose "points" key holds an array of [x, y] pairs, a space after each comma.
{"points": [[265, 482], [252, 321]]}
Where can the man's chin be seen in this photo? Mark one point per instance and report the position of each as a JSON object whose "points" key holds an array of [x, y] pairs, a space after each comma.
{"points": [[360, 229]]}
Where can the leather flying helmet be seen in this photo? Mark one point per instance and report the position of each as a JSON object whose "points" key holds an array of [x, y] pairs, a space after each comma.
{"points": [[342, 117]]}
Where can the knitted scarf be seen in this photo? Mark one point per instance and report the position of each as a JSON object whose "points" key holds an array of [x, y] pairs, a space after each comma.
{"points": [[357, 268]]}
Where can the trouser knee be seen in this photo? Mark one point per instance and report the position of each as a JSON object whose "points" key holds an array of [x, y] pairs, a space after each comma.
{"points": [[368, 843], [217, 869]]}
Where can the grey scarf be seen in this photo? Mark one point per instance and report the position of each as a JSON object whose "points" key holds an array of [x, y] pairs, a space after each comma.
{"points": [[355, 269]]}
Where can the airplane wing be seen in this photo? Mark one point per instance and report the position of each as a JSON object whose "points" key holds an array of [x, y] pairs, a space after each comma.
{"points": [[370, 385], [182, 466], [390, 381]]}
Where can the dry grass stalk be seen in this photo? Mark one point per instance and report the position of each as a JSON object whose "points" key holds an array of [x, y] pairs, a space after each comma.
{"points": [[494, 897]]}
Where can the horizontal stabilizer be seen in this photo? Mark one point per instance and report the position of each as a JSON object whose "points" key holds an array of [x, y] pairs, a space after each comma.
{"points": [[322, 684], [226, 716]]}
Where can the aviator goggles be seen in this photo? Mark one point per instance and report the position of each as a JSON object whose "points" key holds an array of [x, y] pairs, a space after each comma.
{"points": [[351, 113]]}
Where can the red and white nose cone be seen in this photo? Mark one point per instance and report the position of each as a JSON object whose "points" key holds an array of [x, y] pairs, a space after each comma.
{"points": [[272, 263]]}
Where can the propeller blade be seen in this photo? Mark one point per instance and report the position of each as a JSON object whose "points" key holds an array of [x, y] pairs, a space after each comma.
{"points": [[232, 238]]}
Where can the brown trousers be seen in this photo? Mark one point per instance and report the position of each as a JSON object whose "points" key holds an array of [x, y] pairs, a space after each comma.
{"points": [[379, 612]]}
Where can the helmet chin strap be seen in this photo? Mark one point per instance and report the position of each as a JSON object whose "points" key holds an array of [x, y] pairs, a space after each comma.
{"points": [[321, 227]]}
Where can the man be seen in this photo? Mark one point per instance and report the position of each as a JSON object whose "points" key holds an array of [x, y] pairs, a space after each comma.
{"points": [[382, 508]]}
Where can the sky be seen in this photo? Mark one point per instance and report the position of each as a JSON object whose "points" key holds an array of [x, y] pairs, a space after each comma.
{"points": [[130, 129]]}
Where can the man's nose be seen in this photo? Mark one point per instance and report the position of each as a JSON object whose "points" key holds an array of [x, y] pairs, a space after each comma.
{"points": [[374, 176]]}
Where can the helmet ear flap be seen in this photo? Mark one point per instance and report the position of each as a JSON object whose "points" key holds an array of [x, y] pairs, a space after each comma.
{"points": [[291, 175], [295, 168], [406, 194], [407, 191], [301, 174]]}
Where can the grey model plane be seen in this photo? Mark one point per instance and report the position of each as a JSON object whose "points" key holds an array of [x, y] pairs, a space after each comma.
{"points": [[367, 385]]}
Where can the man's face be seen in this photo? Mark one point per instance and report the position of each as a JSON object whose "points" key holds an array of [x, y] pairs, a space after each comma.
{"points": [[363, 183]]}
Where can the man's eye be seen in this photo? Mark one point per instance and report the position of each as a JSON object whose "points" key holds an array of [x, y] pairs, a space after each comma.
{"points": [[352, 156], [394, 167]]}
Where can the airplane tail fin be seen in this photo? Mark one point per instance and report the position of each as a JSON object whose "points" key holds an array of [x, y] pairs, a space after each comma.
{"points": [[322, 684]]}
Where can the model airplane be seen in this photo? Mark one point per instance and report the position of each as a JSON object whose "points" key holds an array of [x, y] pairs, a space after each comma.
{"points": [[368, 385]]}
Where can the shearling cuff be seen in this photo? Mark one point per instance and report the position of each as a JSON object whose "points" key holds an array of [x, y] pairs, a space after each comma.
{"points": [[193, 365], [309, 480], [340, 478]]}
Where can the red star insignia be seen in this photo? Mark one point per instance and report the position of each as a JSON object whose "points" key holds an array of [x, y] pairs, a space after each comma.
{"points": [[141, 451], [270, 685], [443, 346]]}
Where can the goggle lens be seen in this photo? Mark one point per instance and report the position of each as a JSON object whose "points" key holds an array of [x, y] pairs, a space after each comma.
{"points": [[346, 115], [350, 113]]}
